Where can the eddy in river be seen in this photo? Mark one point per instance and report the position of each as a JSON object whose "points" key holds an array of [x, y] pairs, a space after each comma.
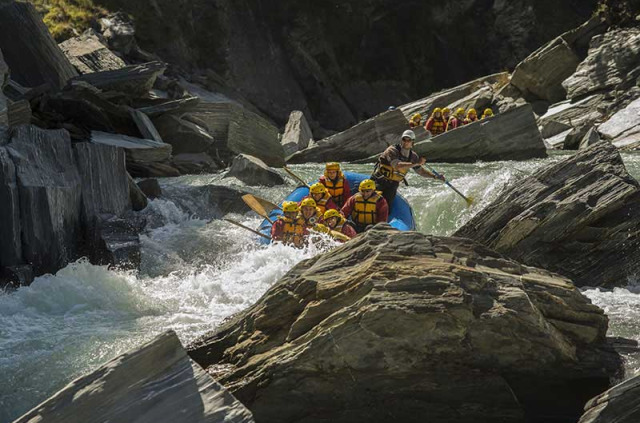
{"points": [[394, 164]]}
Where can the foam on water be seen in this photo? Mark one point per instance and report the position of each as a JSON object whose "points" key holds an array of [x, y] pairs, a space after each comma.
{"points": [[195, 274]]}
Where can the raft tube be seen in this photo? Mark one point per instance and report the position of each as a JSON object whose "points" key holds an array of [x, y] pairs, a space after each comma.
{"points": [[401, 216]]}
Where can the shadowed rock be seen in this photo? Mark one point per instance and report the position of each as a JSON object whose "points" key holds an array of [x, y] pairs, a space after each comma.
{"points": [[87, 53], [156, 382], [253, 171], [28, 48], [399, 326], [138, 150], [4, 77], [620, 404], [577, 217], [133, 80]]}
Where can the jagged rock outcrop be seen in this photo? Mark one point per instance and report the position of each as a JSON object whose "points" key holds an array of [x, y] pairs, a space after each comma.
{"points": [[623, 128], [620, 404], [576, 217], [138, 198], [28, 48], [591, 137], [87, 54], [541, 74], [195, 163], [297, 133], [138, 150], [253, 171], [155, 382], [150, 188], [613, 63], [400, 326], [512, 135], [184, 134], [207, 202], [564, 116], [361, 141]]}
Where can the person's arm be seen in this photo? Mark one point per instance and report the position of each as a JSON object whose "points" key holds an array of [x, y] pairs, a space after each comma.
{"points": [[331, 205], [348, 230], [429, 125], [276, 230], [382, 210], [348, 208]]}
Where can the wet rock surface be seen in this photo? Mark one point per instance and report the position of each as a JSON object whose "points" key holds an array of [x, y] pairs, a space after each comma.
{"points": [[155, 382], [253, 171], [402, 326], [576, 217], [620, 404]]}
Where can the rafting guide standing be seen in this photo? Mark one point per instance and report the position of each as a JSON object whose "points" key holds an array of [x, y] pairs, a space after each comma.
{"points": [[394, 164]]}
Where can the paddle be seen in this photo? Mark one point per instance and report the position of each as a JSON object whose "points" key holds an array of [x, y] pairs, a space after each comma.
{"points": [[257, 205], [296, 177], [469, 200], [247, 228]]}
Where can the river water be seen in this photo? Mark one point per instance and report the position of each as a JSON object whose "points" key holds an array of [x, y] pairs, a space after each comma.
{"points": [[195, 274]]}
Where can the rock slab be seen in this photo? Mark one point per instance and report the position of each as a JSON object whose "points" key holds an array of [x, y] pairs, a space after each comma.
{"points": [[577, 217], [513, 135], [154, 383], [400, 326], [297, 133], [253, 171], [620, 404], [87, 53], [623, 128], [359, 142], [4, 105]]}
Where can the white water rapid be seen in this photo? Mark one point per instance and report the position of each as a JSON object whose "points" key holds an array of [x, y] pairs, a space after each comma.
{"points": [[195, 274]]}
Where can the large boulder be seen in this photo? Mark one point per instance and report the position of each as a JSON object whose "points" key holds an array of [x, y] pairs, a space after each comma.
{"points": [[620, 404], [253, 171], [613, 63], [297, 133], [541, 74], [184, 133], [623, 128], [206, 202], [194, 163], [577, 217], [240, 131], [366, 138], [566, 115], [513, 135], [400, 326], [87, 53], [155, 382], [50, 196], [10, 223], [28, 48]]}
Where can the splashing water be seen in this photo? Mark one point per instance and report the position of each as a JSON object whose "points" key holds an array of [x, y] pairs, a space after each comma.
{"points": [[194, 275]]}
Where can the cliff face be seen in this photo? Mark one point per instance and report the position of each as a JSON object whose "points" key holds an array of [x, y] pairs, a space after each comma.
{"points": [[341, 62]]}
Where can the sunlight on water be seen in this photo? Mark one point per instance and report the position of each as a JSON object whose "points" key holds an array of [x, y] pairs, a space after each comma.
{"points": [[195, 274]]}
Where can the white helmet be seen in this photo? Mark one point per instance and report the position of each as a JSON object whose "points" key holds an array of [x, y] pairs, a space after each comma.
{"points": [[409, 134]]}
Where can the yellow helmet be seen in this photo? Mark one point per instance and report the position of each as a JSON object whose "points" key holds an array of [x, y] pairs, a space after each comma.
{"points": [[460, 111], [308, 202], [446, 110], [437, 110], [367, 184], [488, 112], [317, 188], [332, 166], [416, 116], [332, 213], [472, 112], [290, 207]]}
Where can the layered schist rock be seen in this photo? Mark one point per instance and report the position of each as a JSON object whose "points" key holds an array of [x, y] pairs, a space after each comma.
{"points": [[4, 105], [540, 75], [623, 128], [28, 48], [361, 141], [134, 80], [512, 135], [155, 382], [297, 134], [88, 54], [253, 171], [620, 404], [613, 63], [577, 217], [399, 326]]}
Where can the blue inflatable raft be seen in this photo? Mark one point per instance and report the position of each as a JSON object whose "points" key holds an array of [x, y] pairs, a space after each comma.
{"points": [[401, 216]]}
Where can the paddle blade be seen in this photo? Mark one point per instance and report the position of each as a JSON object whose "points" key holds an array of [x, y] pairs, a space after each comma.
{"points": [[469, 201], [255, 205]]}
